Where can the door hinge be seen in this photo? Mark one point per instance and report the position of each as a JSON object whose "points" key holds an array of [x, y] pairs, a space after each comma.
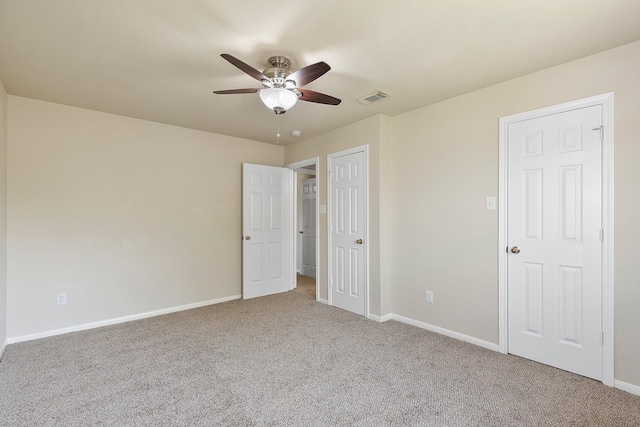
{"points": [[601, 129], [602, 235]]}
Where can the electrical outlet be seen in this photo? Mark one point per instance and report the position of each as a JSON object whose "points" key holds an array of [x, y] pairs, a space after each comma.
{"points": [[429, 297], [61, 298]]}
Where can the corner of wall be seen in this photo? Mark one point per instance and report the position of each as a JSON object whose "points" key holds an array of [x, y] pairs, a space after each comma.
{"points": [[385, 207], [3, 219]]}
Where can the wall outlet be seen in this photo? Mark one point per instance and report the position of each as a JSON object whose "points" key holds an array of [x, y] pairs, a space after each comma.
{"points": [[61, 298], [428, 297]]}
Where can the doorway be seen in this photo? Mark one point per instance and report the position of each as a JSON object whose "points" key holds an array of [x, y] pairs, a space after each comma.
{"points": [[556, 236], [307, 225], [306, 242]]}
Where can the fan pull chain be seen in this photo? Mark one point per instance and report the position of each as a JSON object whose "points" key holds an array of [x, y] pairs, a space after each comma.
{"points": [[278, 129]]}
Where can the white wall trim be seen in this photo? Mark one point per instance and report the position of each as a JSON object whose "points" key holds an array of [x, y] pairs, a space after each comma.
{"points": [[629, 388], [323, 301], [381, 319], [386, 317], [108, 322], [446, 332], [307, 171], [3, 348], [606, 101]]}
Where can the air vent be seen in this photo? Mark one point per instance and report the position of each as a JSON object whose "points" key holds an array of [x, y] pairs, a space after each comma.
{"points": [[373, 97]]}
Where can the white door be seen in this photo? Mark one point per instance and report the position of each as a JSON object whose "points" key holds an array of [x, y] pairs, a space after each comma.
{"points": [[554, 225], [266, 230], [347, 190], [309, 200]]}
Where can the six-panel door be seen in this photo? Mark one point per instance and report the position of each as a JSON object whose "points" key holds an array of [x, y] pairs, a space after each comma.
{"points": [[266, 224], [554, 220], [347, 187]]}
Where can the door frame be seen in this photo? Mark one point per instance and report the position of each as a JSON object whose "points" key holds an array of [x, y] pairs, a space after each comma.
{"points": [[365, 150], [300, 219], [314, 161], [606, 102]]}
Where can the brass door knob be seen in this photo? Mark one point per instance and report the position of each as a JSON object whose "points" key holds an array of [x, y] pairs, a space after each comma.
{"points": [[515, 250], [359, 241], [247, 237]]}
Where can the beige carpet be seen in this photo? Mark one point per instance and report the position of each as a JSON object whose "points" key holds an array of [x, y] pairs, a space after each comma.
{"points": [[285, 360]]}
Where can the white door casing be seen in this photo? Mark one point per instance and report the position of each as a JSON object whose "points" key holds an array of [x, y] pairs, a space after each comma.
{"points": [[348, 234], [556, 302], [266, 230], [308, 227]]}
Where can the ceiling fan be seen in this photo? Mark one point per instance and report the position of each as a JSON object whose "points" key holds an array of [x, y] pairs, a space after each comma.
{"points": [[281, 86]]}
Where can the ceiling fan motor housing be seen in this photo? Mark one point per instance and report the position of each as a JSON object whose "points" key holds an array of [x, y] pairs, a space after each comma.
{"points": [[278, 72]]}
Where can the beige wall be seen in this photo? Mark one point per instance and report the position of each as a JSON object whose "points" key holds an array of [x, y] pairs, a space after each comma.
{"points": [[3, 218], [129, 216], [360, 133], [126, 216], [443, 164]]}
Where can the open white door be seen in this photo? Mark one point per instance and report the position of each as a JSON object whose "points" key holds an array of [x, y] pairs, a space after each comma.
{"points": [[266, 230]]}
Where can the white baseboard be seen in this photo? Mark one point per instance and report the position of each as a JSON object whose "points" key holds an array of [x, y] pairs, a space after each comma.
{"points": [[442, 331], [386, 317], [92, 325], [381, 319], [621, 385], [630, 388]]}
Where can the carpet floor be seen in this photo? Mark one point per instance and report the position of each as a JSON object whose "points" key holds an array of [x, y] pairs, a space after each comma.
{"points": [[286, 360]]}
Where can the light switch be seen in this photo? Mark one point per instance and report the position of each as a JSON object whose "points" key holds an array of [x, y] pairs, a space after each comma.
{"points": [[491, 203], [323, 209]]}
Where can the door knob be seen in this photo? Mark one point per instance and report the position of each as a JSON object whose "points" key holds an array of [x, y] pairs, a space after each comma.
{"points": [[359, 241], [301, 232], [247, 237], [515, 250]]}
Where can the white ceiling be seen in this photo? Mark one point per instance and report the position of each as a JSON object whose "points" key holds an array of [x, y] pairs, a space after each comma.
{"points": [[160, 60]]}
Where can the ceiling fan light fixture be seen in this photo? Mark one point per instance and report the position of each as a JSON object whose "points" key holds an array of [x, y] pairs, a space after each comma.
{"points": [[278, 99]]}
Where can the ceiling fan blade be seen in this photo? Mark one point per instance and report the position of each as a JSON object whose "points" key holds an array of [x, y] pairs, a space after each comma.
{"points": [[245, 67], [320, 98], [309, 73], [234, 91]]}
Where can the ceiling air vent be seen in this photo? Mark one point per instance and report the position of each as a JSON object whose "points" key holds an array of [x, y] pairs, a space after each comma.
{"points": [[373, 97]]}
